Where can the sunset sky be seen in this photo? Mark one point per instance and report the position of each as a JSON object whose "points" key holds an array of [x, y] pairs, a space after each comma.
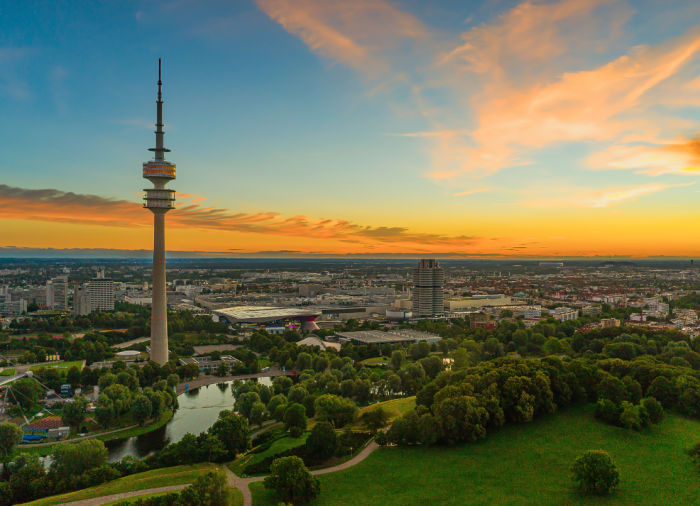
{"points": [[364, 127]]}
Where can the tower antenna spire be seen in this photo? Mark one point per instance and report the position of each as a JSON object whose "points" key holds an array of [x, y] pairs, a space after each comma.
{"points": [[159, 82]]}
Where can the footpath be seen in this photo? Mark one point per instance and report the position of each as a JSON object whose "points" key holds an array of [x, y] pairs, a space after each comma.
{"points": [[233, 481]]}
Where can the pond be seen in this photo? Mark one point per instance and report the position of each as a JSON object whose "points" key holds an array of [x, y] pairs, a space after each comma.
{"points": [[199, 409]]}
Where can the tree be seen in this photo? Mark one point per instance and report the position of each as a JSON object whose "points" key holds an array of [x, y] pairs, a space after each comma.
{"points": [[277, 400], [26, 391], [322, 443], [73, 413], [337, 410], [10, 437], [376, 418], [245, 402], [209, 447], [595, 471], [654, 409], [73, 376], [295, 416], [141, 409], [191, 371], [72, 460], [173, 380], [232, 430], [398, 357], [209, 489], [105, 413], [258, 414], [221, 369], [290, 478]]}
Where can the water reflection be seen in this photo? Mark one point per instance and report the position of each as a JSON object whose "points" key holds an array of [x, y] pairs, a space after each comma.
{"points": [[199, 409]]}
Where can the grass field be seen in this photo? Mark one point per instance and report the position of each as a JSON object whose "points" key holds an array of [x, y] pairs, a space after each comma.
{"points": [[58, 365], [278, 446], [523, 465], [7, 372], [395, 408], [178, 475], [377, 360]]}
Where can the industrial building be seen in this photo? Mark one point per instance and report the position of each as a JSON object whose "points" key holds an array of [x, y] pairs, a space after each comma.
{"points": [[391, 337], [478, 301], [269, 314]]}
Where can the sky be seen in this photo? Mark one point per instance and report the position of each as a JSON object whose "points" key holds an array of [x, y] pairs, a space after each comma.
{"points": [[366, 128]]}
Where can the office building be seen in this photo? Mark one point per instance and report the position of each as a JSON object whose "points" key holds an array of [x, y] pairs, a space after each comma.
{"points": [[81, 301], [428, 283], [101, 291], [159, 201], [58, 298]]}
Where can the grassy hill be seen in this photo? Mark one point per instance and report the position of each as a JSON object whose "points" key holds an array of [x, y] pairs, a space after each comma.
{"points": [[523, 465]]}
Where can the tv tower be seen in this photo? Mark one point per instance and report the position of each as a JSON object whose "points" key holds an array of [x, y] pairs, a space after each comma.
{"points": [[159, 201]]}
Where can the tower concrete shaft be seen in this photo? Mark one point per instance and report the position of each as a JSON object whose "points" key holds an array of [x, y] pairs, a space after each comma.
{"points": [[159, 201]]}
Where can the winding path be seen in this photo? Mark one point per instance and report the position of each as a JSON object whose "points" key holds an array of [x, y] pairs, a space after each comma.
{"points": [[242, 483], [233, 481]]}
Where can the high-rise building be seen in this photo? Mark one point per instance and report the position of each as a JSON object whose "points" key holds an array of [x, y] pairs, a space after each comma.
{"points": [[428, 283], [81, 301], [159, 201], [101, 292], [59, 293]]}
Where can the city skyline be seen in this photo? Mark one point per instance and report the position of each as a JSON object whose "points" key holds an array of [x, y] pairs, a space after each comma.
{"points": [[308, 128]]}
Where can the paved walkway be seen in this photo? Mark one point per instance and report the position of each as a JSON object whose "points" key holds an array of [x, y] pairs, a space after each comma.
{"points": [[97, 501], [266, 426], [242, 483], [232, 480]]}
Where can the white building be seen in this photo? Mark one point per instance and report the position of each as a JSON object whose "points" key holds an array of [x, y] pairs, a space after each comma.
{"points": [[563, 314]]}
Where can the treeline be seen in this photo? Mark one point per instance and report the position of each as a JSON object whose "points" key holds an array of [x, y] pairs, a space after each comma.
{"points": [[462, 405]]}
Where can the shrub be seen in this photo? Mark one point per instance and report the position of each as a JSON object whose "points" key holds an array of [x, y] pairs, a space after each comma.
{"points": [[323, 441], [654, 409], [595, 471]]}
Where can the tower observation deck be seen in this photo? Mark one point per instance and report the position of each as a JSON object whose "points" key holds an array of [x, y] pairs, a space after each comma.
{"points": [[159, 201]]}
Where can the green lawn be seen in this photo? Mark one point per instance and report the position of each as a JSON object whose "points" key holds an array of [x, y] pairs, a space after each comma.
{"points": [[264, 362], [58, 365], [523, 465], [278, 446], [377, 360], [7, 372], [179, 475], [395, 408]]}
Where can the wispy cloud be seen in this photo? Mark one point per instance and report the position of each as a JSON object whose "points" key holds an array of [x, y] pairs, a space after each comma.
{"points": [[601, 198], [471, 192], [680, 156], [55, 206]]}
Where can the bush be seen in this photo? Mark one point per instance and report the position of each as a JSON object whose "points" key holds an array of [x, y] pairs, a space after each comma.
{"points": [[654, 409], [296, 432], [594, 471]]}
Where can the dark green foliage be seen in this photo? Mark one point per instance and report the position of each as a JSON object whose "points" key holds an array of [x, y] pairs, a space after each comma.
{"points": [[375, 418], [290, 478], [594, 471], [337, 410], [10, 437], [654, 409], [232, 430], [295, 416], [322, 442]]}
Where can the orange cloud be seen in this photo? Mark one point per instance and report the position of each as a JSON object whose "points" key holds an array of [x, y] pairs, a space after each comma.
{"points": [[56, 206], [471, 192], [601, 198], [356, 33], [676, 157], [587, 105]]}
